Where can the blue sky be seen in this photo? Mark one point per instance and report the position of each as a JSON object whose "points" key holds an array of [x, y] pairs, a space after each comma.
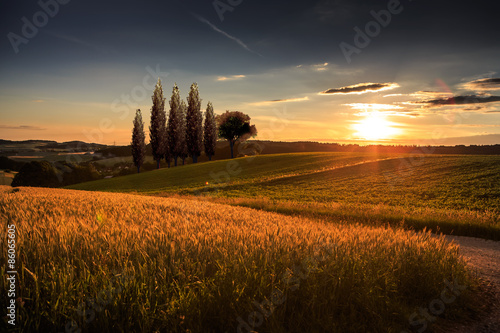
{"points": [[424, 72]]}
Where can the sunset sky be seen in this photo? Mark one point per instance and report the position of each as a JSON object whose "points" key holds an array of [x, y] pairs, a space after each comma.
{"points": [[426, 73]]}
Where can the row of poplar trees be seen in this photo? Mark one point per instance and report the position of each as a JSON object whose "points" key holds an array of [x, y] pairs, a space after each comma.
{"points": [[183, 134]]}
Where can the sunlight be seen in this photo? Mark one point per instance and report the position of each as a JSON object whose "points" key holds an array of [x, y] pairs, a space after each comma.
{"points": [[375, 126]]}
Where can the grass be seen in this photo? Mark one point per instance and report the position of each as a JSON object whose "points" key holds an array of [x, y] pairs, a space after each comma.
{"points": [[454, 194], [237, 171], [110, 162], [138, 263], [6, 178]]}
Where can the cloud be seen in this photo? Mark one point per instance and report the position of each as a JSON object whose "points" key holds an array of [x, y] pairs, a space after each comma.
{"points": [[230, 78], [431, 94], [424, 94], [38, 100], [458, 100], [78, 41], [387, 109], [203, 20], [361, 88], [320, 67], [23, 127], [373, 106], [300, 99], [483, 84]]}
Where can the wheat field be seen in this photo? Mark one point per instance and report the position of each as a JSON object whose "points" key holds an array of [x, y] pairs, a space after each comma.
{"points": [[112, 262]]}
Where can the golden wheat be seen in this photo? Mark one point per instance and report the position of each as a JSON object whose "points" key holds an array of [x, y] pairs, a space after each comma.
{"points": [[196, 265]]}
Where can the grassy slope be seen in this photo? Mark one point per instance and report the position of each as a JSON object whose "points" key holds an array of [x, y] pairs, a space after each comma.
{"points": [[147, 264], [240, 170], [454, 194]]}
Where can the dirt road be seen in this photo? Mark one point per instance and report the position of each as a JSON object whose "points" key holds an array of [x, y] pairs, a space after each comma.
{"points": [[483, 255]]}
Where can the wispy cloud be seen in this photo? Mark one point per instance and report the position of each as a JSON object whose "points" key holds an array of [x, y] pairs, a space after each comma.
{"points": [[23, 127], [483, 84], [288, 100], [387, 109], [75, 40], [320, 67], [458, 100], [424, 94], [204, 20], [361, 88], [374, 106], [38, 100], [230, 78]]}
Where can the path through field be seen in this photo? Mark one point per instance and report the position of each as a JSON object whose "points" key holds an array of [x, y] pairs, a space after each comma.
{"points": [[483, 255]]}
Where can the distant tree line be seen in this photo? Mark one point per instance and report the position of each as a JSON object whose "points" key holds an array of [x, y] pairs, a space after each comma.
{"points": [[46, 174], [184, 133]]}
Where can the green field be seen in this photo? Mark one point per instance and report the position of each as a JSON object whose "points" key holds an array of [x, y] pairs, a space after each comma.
{"points": [[454, 194]]}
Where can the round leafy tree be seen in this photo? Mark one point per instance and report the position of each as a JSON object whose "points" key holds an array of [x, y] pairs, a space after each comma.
{"points": [[234, 126]]}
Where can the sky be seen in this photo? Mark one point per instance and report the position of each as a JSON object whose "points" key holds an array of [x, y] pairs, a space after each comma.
{"points": [[392, 72]]}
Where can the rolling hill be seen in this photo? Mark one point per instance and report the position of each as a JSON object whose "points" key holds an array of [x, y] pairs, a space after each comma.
{"points": [[454, 194]]}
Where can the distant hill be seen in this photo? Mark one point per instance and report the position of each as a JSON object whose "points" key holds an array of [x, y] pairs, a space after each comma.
{"points": [[257, 147], [73, 145], [6, 142]]}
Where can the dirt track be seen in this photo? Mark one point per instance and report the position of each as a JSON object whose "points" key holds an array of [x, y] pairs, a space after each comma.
{"points": [[483, 255]]}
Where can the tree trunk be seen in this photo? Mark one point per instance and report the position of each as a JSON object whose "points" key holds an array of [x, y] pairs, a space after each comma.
{"points": [[183, 160], [175, 161], [195, 159], [138, 169], [168, 163], [231, 144], [210, 157], [157, 164]]}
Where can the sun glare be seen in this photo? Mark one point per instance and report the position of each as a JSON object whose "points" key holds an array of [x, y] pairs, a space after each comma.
{"points": [[374, 126]]}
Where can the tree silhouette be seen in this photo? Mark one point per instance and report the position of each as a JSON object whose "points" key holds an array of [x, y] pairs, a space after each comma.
{"points": [[194, 124], [234, 126], [138, 141], [209, 132], [173, 125], [157, 132], [37, 174], [183, 152]]}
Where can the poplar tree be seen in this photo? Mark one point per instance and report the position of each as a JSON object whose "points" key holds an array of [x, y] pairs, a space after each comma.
{"points": [[210, 132], [183, 152], [194, 124], [138, 141], [157, 132], [173, 125]]}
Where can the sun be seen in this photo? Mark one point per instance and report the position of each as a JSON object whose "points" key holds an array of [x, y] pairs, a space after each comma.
{"points": [[374, 126]]}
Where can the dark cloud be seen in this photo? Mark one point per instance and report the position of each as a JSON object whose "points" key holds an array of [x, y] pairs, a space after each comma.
{"points": [[483, 84], [300, 99], [459, 100], [22, 127], [361, 88]]}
